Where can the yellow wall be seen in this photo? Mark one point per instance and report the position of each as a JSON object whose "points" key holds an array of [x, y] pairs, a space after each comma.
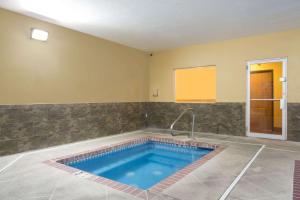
{"points": [[277, 87], [195, 84], [70, 67], [230, 59], [74, 67]]}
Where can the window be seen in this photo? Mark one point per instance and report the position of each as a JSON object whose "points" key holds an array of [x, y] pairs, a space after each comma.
{"points": [[195, 84]]}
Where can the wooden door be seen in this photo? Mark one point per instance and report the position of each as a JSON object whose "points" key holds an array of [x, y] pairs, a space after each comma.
{"points": [[261, 103]]}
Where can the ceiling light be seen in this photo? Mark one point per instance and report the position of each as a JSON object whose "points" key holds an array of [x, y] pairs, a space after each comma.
{"points": [[38, 34]]}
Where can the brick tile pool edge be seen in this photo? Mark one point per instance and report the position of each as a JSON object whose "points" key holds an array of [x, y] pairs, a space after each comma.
{"points": [[60, 163]]}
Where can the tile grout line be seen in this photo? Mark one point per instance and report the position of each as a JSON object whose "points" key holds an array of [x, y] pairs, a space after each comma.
{"points": [[11, 163], [254, 144], [234, 142], [55, 147], [236, 180], [80, 142], [277, 149], [224, 140]]}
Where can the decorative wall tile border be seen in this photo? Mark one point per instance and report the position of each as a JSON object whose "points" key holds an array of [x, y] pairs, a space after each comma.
{"points": [[296, 188], [60, 163]]}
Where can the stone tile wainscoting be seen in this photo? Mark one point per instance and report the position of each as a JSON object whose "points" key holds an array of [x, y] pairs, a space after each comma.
{"points": [[220, 118], [27, 127], [293, 121]]}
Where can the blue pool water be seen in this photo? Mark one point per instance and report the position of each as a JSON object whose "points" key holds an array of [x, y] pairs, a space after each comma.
{"points": [[142, 165]]}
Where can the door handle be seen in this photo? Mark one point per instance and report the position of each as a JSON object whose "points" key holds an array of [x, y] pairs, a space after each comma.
{"points": [[282, 79], [282, 104]]}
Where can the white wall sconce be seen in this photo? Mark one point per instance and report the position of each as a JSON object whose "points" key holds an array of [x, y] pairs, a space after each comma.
{"points": [[39, 34]]}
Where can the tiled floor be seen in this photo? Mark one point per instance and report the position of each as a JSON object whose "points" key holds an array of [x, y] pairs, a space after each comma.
{"points": [[269, 177]]}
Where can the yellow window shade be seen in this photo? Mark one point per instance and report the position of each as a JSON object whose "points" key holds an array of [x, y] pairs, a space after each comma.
{"points": [[196, 84]]}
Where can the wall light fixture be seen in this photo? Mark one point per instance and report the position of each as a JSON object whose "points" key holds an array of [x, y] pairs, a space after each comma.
{"points": [[38, 34]]}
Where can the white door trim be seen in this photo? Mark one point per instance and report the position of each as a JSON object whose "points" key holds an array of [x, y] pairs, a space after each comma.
{"points": [[284, 100]]}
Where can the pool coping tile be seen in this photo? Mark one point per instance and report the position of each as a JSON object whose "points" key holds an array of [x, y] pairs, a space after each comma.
{"points": [[60, 163]]}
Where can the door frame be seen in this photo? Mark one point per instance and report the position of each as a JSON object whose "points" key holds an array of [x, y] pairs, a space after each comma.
{"points": [[283, 136]]}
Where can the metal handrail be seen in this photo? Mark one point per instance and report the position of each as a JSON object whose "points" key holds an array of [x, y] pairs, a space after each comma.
{"points": [[190, 110]]}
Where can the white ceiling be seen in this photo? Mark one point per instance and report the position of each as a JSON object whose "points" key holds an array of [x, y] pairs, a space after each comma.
{"points": [[161, 24]]}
